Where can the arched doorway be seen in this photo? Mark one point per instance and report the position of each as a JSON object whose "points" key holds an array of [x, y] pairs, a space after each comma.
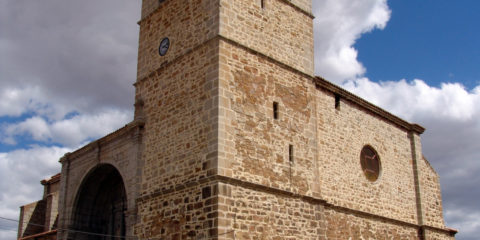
{"points": [[99, 212]]}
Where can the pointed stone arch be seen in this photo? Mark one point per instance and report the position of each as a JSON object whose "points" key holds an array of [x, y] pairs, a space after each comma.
{"points": [[100, 206]]}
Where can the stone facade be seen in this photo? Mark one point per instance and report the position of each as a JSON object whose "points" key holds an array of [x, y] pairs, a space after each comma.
{"points": [[120, 150], [279, 29], [234, 138], [39, 220]]}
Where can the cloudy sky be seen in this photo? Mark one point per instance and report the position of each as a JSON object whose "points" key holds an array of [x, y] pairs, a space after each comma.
{"points": [[67, 69]]}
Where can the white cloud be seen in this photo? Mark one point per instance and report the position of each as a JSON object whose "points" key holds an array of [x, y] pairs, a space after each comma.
{"points": [[467, 220], [64, 78], [73, 131], [80, 59], [417, 100], [15, 101], [10, 102], [67, 132], [20, 174], [9, 230], [337, 25], [37, 127]]}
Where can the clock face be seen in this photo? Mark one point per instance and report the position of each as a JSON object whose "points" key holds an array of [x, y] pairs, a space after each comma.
{"points": [[164, 45]]}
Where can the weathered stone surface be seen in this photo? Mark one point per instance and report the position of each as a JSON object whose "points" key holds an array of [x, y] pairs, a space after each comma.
{"points": [[342, 133], [255, 145], [121, 150], [431, 195], [180, 122], [344, 225], [39, 219], [188, 24], [247, 213], [32, 218], [205, 157], [278, 30], [182, 214]]}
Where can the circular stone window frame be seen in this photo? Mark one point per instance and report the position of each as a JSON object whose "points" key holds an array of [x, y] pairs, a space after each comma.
{"points": [[373, 178]]}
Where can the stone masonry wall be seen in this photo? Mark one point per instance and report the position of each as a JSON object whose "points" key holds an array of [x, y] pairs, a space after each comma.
{"points": [[51, 211], [327, 141], [190, 212], [278, 30], [187, 23], [250, 212], [429, 188], [305, 5], [431, 195], [180, 108], [119, 149], [208, 110], [148, 6], [181, 115], [180, 120], [342, 133], [344, 225], [433, 234], [246, 213], [254, 145], [32, 218]]}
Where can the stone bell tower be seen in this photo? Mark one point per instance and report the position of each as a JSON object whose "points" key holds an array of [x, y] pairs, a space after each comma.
{"points": [[234, 138], [210, 75]]}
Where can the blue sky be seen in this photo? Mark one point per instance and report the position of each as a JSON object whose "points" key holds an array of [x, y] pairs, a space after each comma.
{"points": [[66, 78], [434, 40]]}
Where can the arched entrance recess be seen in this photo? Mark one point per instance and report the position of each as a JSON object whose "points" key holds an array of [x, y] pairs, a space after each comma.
{"points": [[99, 212]]}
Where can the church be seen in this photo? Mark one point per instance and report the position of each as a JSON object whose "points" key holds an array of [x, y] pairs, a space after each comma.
{"points": [[234, 137]]}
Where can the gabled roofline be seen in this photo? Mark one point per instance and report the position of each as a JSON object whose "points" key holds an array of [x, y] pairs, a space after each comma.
{"points": [[52, 232], [364, 104], [53, 179], [102, 141]]}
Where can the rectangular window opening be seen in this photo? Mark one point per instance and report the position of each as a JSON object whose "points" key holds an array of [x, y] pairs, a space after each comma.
{"points": [[337, 101], [262, 3], [290, 153], [275, 110]]}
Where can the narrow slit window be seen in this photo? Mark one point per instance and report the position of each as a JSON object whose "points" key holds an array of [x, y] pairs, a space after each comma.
{"points": [[275, 110], [337, 101], [290, 153], [262, 4]]}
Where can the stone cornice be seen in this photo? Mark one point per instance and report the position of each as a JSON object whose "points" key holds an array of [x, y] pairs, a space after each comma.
{"points": [[102, 141], [288, 2], [344, 94], [330, 87], [166, 64], [43, 234], [271, 190], [318, 81], [262, 55], [448, 230], [53, 179]]}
